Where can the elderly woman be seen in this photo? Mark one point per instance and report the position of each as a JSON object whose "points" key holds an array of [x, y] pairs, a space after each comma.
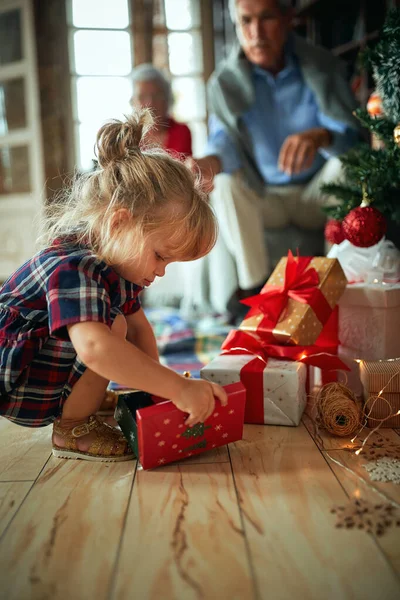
{"points": [[153, 90]]}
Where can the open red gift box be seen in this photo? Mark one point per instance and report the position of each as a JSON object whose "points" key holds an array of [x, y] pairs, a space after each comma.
{"points": [[157, 433]]}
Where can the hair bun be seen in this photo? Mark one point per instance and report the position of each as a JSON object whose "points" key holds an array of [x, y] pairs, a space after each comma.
{"points": [[117, 139]]}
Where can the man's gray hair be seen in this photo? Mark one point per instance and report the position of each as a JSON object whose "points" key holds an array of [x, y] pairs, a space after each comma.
{"points": [[147, 72], [284, 5]]}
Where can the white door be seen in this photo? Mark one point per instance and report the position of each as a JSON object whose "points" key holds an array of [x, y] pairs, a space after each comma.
{"points": [[21, 155]]}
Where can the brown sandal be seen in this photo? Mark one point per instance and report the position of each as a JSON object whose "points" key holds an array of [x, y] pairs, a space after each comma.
{"points": [[109, 445]]}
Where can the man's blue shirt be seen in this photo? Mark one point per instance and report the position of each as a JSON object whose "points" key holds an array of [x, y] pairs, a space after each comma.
{"points": [[283, 105]]}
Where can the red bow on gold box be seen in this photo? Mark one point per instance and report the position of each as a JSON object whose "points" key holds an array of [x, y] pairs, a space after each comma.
{"points": [[297, 301]]}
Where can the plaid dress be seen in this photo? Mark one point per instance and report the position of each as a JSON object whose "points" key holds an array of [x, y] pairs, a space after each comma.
{"points": [[59, 286]]}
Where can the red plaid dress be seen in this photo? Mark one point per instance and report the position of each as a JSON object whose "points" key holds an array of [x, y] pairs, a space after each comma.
{"points": [[59, 286]]}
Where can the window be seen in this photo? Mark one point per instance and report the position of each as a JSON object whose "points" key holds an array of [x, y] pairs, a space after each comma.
{"points": [[185, 63], [21, 151], [101, 60], [101, 66]]}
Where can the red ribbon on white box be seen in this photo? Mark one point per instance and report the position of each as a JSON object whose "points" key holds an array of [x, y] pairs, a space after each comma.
{"points": [[251, 375]]}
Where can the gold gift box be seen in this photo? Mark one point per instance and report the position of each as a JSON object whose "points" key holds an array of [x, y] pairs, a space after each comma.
{"points": [[298, 323], [381, 376]]}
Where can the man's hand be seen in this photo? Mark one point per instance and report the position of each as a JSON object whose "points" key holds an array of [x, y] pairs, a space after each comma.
{"points": [[208, 167], [298, 150]]}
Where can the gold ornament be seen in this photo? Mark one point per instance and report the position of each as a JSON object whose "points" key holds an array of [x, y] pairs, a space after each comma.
{"points": [[396, 134], [366, 201]]}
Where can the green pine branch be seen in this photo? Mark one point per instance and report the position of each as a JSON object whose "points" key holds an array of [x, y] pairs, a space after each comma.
{"points": [[349, 195], [376, 172], [350, 198], [383, 61], [380, 126]]}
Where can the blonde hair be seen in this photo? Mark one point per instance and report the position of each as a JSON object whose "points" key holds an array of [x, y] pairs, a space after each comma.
{"points": [[158, 191]]}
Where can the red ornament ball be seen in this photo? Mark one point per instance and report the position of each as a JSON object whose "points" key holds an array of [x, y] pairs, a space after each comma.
{"points": [[334, 231], [364, 226]]}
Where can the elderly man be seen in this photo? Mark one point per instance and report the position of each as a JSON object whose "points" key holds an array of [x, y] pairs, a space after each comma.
{"points": [[280, 108]]}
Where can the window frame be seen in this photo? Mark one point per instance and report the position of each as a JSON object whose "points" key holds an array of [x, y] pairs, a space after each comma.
{"points": [[74, 76], [203, 75]]}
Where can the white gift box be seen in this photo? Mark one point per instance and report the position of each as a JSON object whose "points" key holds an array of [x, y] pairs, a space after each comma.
{"points": [[283, 384], [369, 320]]}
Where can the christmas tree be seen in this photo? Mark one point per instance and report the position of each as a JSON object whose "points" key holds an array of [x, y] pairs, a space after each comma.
{"points": [[372, 176]]}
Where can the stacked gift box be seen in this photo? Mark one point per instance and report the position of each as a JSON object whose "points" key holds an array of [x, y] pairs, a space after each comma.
{"points": [[281, 384], [369, 328], [291, 325], [264, 366], [381, 392], [369, 321], [288, 340]]}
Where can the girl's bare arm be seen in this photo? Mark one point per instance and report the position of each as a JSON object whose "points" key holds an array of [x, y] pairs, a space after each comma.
{"points": [[140, 333], [118, 360]]}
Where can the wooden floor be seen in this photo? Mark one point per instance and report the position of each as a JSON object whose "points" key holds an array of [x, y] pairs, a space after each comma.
{"points": [[251, 520]]}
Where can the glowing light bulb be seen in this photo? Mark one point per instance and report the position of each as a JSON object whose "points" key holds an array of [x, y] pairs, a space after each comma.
{"points": [[352, 440], [358, 451]]}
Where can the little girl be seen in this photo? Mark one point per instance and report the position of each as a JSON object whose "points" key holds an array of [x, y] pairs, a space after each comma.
{"points": [[70, 318]]}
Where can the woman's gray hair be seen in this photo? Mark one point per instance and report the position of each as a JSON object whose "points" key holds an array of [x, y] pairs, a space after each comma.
{"points": [[284, 5], [146, 72]]}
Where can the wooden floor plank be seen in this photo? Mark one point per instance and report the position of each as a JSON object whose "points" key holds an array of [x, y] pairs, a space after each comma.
{"points": [[23, 450], [390, 541], [323, 438], [63, 541], [355, 462], [286, 491], [183, 538], [331, 442], [217, 455], [12, 494]]}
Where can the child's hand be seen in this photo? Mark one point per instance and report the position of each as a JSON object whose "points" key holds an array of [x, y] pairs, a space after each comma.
{"points": [[197, 398]]}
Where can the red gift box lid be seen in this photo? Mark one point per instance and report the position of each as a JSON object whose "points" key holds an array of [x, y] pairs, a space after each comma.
{"points": [[163, 436]]}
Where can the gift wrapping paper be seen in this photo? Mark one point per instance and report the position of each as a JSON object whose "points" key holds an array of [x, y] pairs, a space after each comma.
{"points": [[299, 323], [276, 391], [369, 320], [157, 432], [376, 376]]}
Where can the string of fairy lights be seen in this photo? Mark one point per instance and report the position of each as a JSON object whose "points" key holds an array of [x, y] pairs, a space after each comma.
{"points": [[370, 401], [375, 399]]}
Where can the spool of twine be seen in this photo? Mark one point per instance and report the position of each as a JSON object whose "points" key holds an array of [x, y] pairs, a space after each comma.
{"points": [[338, 410]]}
